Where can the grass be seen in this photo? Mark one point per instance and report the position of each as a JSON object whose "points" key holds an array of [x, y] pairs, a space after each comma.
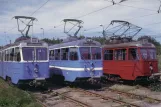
{"points": [[155, 87], [11, 96]]}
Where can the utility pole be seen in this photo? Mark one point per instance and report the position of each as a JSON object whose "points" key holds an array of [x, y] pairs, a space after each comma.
{"points": [[5, 37], [103, 32], [43, 32]]}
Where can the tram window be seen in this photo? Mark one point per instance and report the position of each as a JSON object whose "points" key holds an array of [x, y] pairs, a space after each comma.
{"points": [[11, 53], [64, 53], [41, 53], [133, 54], [152, 53], [6, 55], [144, 53], [85, 53], [57, 54], [73, 53], [3, 55], [51, 55], [120, 54], [108, 55], [17, 54], [96, 53], [0, 56], [28, 53]]}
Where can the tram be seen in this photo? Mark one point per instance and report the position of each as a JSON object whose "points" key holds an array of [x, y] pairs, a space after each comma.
{"points": [[130, 61], [76, 59], [26, 60]]}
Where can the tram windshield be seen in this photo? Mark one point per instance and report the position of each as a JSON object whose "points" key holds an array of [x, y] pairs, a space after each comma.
{"points": [[31, 53], [96, 53], [88, 53], [133, 54], [148, 53], [41, 53]]}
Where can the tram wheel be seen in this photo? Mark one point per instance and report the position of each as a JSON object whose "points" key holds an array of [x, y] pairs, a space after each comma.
{"points": [[129, 82], [57, 79]]}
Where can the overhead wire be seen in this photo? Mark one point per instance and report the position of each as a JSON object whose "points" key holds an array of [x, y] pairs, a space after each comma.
{"points": [[39, 7], [93, 12], [90, 13], [96, 11], [159, 6], [133, 17], [152, 24], [32, 13], [113, 3], [128, 19], [137, 7]]}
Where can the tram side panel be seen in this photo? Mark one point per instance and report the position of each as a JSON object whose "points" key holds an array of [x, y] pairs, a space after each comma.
{"points": [[35, 69], [72, 70], [1, 69], [13, 70], [146, 67], [73, 64], [23, 71]]}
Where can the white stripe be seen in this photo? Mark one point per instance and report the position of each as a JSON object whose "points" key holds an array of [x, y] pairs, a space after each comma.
{"points": [[74, 69]]}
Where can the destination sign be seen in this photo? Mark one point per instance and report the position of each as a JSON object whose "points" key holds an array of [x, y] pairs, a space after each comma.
{"points": [[34, 44], [146, 44]]}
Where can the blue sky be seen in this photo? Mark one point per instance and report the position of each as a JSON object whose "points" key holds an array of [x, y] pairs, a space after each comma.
{"points": [[55, 11]]}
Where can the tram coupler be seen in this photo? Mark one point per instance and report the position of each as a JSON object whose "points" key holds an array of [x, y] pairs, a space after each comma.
{"points": [[155, 76], [38, 82], [94, 80]]}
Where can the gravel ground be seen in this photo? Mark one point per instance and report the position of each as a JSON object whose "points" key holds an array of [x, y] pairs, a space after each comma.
{"points": [[52, 100]]}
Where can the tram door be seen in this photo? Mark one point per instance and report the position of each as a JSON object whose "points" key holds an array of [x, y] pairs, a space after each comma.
{"points": [[1, 64]]}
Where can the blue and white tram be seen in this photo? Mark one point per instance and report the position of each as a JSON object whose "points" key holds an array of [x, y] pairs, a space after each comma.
{"points": [[76, 60], [25, 61]]}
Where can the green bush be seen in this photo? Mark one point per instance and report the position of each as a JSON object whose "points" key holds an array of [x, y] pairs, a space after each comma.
{"points": [[155, 87]]}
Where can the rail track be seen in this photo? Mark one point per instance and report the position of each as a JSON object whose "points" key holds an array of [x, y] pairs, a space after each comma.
{"points": [[107, 98], [82, 104], [131, 94], [135, 95]]}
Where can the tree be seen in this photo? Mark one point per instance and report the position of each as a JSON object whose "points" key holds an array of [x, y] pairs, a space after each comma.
{"points": [[99, 39], [150, 39], [52, 41], [153, 41]]}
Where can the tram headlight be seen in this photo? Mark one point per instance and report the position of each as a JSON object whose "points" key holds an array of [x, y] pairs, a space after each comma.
{"points": [[36, 68], [92, 67], [151, 67]]}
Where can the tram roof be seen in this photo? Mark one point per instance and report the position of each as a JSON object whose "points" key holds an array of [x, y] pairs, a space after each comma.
{"points": [[28, 41], [130, 44], [82, 42]]}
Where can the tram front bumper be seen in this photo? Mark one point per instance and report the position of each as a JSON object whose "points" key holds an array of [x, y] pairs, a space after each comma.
{"points": [[155, 76], [37, 82]]}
